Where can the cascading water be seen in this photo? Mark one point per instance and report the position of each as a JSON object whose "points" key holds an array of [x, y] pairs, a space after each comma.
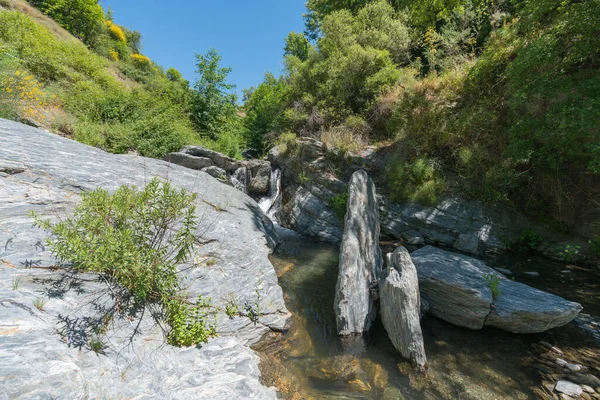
{"points": [[270, 204], [239, 179]]}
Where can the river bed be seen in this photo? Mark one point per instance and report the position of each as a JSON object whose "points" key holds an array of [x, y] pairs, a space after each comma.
{"points": [[309, 361]]}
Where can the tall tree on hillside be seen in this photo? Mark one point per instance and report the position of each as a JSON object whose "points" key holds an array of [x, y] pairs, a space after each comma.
{"points": [[296, 44], [213, 105]]}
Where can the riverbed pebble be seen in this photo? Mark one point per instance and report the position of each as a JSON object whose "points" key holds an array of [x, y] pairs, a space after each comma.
{"points": [[588, 389], [557, 350], [561, 362], [585, 379], [545, 344], [569, 388], [573, 367], [532, 274]]}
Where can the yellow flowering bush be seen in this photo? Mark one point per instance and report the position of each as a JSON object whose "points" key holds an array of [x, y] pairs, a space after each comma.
{"points": [[116, 32], [25, 93], [113, 55], [140, 60]]}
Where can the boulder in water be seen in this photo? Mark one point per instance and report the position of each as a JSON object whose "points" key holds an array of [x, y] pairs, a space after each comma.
{"points": [[360, 258], [458, 290], [400, 307]]}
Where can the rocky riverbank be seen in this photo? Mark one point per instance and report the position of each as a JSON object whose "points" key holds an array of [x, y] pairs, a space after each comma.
{"points": [[49, 319]]}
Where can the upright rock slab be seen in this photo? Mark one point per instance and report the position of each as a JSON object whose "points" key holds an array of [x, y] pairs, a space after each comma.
{"points": [[360, 258], [457, 290], [400, 307]]}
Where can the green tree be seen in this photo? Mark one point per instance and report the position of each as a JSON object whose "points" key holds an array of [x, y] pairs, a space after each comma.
{"points": [[213, 105], [263, 107], [296, 44]]}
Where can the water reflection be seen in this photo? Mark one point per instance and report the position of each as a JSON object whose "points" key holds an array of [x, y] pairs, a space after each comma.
{"points": [[310, 362]]}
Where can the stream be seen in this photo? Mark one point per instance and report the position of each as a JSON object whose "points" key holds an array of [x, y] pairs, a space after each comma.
{"points": [[309, 360]]}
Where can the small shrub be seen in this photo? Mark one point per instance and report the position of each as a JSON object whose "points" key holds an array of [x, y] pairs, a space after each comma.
{"points": [[116, 32], [136, 238], [231, 308], [140, 60], [595, 244], [304, 179], [39, 303], [570, 251], [527, 240], [493, 280], [15, 283], [338, 204], [417, 182], [97, 345], [287, 141], [25, 93], [211, 262], [113, 54]]}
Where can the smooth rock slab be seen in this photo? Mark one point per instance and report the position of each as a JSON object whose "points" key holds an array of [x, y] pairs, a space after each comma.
{"points": [[457, 291], [47, 354], [454, 287], [400, 307], [360, 258], [523, 309]]}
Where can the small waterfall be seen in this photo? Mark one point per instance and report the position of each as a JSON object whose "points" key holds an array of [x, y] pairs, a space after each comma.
{"points": [[239, 179], [270, 204]]}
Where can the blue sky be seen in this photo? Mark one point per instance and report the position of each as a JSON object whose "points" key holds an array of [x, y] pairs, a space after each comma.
{"points": [[249, 35]]}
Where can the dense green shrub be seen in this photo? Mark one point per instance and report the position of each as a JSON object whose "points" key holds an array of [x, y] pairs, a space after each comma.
{"points": [[83, 18], [136, 238], [264, 109], [338, 204]]}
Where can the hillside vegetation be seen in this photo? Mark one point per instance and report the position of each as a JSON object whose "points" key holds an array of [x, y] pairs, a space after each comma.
{"points": [[496, 99], [101, 90]]}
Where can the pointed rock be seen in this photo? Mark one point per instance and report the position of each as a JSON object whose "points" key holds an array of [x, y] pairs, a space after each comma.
{"points": [[400, 307], [360, 258]]}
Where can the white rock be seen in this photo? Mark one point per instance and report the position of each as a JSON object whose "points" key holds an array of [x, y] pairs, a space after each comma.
{"points": [[573, 367], [561, 362], [568, 388]]}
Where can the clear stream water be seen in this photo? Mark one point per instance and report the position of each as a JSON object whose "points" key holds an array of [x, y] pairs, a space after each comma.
{"points": [[309, 361]]}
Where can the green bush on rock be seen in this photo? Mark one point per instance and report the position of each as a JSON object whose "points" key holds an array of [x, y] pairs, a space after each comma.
{"points": [[135, 239]]}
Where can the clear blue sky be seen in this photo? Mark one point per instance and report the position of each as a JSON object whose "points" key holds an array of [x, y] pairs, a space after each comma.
{"points": [[248, 34]]}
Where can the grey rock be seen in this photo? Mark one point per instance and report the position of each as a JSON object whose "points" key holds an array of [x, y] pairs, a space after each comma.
{"points": [[454, 287], [309, 215], [360, 258], [467, 243], [568, 388], [561, 362], [47, 353], [585, 379], [220, 160], [413, 237], [400, 307], [457, 291], [188, 161], [573, 367], [452, 217], [531, 274], [504, 271], [216, 172], [198, 157], [523, 309], [587, 389], [259, 176]]}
